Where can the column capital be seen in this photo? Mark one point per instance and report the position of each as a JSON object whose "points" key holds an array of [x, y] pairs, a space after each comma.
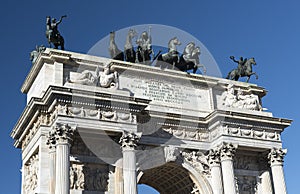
{"points": [[276, 156], [129, 140], [213, 157], [60, 133], [227, 151], [51, 140]]}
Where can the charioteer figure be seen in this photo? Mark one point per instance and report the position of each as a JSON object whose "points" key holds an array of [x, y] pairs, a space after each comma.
{"points": [[52, 33], [144, 49]]}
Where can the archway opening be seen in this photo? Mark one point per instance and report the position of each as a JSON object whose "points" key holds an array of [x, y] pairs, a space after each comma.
{"points": [[146, 189], [169, 178]]}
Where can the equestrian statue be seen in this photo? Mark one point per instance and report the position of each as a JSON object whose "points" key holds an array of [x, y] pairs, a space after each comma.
{"points": [[52, 33], [244, 69]]}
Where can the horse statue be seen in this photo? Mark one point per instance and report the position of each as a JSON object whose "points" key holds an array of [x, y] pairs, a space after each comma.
{"points": [[35, 53], [144, 49], [114, 51], [171, 57], [130, 54], [190, 59], [244, 69], [52, 33]]}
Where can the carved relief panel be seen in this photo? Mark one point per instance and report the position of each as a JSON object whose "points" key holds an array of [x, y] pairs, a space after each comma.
{"points": [[89, 177]]}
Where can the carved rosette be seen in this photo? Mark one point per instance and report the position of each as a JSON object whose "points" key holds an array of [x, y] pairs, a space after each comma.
{"points": [[213, 157], [129, 140], [276, 156], [227, 151]]}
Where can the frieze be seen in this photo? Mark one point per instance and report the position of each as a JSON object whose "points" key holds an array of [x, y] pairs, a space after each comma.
{"points": [[99, 114], [31, 170], [252, 133], [43, 119], [197, 135]]}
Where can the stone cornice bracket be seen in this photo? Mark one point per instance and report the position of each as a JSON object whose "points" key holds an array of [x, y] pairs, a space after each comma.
{"points": [[213, 157], [129, 140], [276, 156], [63, 133], [227, 151]]}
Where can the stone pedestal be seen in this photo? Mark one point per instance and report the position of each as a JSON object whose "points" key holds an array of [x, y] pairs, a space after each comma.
{"points": [[128, 142], [227, 152], [216, 173], [276, 160]]}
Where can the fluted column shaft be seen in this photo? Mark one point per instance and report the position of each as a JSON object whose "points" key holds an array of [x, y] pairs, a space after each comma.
{"points": [[62, 168], [227, 152], [276, 160], [59, 141], [128, 142], [216, 173], [52, 162], [129, 171], [266, 184]]}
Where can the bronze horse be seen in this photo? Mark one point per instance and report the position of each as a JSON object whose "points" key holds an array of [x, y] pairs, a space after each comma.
{"points": [[52, 33], [244, 71]]}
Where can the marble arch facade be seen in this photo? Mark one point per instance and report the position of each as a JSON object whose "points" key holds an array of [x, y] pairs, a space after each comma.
{"points": [[96, 125]]}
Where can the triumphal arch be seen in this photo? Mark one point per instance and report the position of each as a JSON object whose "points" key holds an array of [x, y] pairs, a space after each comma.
{"points": [[97, 125]]}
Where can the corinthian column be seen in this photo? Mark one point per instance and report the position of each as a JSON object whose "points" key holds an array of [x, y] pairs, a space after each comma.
{"points": [[215, 169], [51, 142], [128, 142], [227, 151], [276, 161], [63, 136]]}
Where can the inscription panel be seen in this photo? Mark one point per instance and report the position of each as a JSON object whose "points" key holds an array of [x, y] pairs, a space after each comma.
{"points": [[168, 94]]}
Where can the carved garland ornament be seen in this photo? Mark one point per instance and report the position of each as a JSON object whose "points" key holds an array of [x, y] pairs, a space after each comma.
{"points": [[93, 114]]}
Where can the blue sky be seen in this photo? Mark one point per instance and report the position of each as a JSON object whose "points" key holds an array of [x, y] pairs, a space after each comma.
{"points": [[267, 30]]}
